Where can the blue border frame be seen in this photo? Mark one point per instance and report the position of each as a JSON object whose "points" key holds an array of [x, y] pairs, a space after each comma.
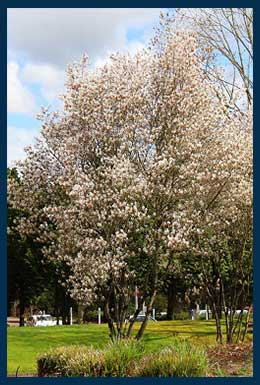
{"points": [[126, 4], [3, 219], [3, 165]]}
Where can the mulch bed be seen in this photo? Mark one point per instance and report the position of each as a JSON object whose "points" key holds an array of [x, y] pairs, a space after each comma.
{"points": [[231, 360]]}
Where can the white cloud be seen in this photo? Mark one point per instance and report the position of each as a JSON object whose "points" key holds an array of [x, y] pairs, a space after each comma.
{"points": [[19, 98], [17, 139], [50, 79], [42, 41], [131, 48], [61, 35]]}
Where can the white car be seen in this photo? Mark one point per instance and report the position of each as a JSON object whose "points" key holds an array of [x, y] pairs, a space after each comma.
{"points": [[141, 317], [204, 312], [239, 311], [42, 320]]}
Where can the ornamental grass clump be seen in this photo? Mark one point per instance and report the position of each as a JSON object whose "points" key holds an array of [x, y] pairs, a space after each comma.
{"points": [[115, 360], [182, 359], [73, 361], [122, 357]]}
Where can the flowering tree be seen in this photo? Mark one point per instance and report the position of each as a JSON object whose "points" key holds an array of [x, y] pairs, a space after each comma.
{"points": [[124, 176]]}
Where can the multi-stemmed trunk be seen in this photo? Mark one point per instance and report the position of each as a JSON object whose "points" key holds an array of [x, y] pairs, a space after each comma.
{"points": [[117, 303], [147, 314]]}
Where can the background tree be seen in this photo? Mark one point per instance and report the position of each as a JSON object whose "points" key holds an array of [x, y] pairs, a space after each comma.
{"points": [[32, 280], [174, 286], [24, 280], [225, 38]]}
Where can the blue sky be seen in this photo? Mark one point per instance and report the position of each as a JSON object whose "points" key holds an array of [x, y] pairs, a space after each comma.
{"points": [[41, 42]]}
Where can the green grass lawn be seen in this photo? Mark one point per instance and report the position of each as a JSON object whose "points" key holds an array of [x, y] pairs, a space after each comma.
{"points": [[24, 344]]}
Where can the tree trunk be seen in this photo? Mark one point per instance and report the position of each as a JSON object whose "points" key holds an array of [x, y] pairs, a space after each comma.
{"points": [[80, 314], [112, 329], [239, 326], [148, 312], [132, 321], [219, 337], [56, 304], [22, 309], [171, 302], [247, 322], [215, 312]]}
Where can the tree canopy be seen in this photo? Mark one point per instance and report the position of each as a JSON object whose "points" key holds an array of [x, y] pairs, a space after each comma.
{"points": [[144, 163]]}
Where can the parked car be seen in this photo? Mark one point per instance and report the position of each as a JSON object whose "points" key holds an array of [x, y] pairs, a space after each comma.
{"points": [[141, 317], [162, 316], [239, 311], [204, 312], [42, 320]]}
